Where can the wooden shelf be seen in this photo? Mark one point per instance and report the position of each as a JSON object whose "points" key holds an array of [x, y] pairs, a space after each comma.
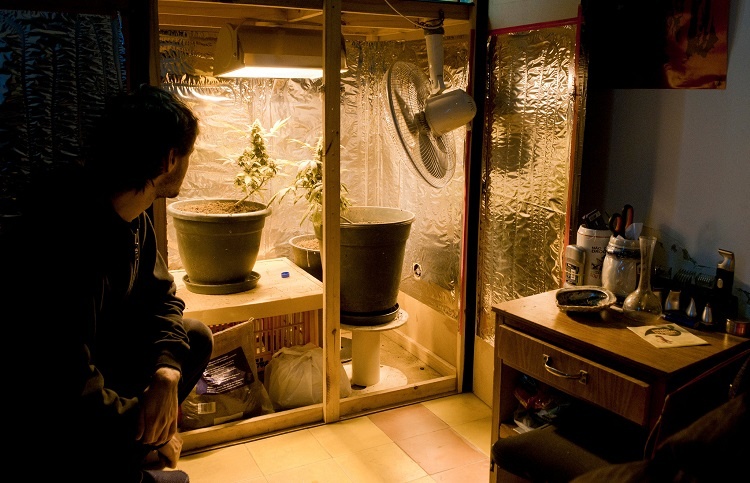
{"points": [[360, 19], [273, 295]]}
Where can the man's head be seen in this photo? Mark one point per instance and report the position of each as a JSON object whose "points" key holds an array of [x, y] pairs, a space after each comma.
{"points": [[141, 136]]}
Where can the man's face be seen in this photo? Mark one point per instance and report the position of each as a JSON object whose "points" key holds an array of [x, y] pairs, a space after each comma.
{"points": [[170, 182]]}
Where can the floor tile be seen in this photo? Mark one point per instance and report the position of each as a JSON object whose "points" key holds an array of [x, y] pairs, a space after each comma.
{"points": [[232, 464], [440, 450], [349, 436], [471, 473], [459, 408], [326, 471], [478, 433], [286, 451], [387, 464], [408, 421], [445, 440]]}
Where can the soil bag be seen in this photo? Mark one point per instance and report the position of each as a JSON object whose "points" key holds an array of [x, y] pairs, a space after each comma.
{"points": [[229, 388]]}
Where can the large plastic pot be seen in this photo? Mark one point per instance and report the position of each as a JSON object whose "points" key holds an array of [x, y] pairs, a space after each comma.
{"points": [[218, 250], [373, 241]]}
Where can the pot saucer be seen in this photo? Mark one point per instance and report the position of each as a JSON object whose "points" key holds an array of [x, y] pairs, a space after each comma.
{"points": [[369, 318], [223, 288]]}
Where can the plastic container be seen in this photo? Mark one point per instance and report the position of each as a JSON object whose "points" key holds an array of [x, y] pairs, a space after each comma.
{"points": [[594, 243], [621, 266]]}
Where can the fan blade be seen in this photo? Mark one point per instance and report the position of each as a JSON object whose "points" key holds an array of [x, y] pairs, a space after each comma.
{"points": [[405, 112], [430, 157], [442, 146]]}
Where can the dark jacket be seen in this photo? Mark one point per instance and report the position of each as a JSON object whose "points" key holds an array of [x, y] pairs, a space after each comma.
{"points": [[93, 297]]}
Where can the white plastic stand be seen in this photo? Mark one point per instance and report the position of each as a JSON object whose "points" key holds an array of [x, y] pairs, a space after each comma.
{"points": [[366, 349]]}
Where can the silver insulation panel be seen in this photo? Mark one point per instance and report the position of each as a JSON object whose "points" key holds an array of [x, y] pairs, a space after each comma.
{"points": [[374, 166], [56, 70], [529, 129]]}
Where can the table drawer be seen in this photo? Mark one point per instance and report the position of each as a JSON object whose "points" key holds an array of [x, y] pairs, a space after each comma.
{"points": [[575, 375]]}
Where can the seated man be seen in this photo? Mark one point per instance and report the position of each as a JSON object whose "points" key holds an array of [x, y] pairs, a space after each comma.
{"points": [[107, 356]]}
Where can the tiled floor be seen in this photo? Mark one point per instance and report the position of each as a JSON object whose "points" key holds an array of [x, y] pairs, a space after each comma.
{"points": [[443, 440]]}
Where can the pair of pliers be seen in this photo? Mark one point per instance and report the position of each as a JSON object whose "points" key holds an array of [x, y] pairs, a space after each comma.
{"points": [[619, 222]]}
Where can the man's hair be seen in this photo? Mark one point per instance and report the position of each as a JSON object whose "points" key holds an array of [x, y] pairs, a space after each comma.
{"points": [[133, 138]]}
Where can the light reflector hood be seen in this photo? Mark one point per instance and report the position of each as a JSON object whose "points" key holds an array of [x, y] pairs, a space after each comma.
{"points": [[270, 52]]}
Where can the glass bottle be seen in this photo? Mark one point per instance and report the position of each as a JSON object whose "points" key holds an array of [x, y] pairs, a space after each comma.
{"points": [[643, 304]]}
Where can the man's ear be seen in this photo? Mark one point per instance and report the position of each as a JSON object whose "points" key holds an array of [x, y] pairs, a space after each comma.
{"points": [[171, 162]]}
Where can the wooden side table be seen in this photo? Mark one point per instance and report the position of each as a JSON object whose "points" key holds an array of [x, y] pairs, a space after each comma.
{"points": [[603, 362]]}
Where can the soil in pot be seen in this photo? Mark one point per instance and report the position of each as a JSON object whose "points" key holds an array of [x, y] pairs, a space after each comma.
{"points": [[306, 254], [220, 207], [373, 242]]}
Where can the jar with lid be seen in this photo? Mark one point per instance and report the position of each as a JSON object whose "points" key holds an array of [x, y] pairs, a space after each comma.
{"points": [[620, 267]]}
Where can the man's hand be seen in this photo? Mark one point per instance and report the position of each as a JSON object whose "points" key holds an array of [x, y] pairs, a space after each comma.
{"points": [[157, 420]]}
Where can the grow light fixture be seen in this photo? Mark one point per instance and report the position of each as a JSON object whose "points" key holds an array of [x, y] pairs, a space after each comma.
{"points": [[270, 52]]}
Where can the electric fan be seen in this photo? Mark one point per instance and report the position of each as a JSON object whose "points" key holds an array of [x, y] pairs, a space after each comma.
{"points": [[424, 114]]}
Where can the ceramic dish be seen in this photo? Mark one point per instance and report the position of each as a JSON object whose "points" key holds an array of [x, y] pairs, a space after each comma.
{"points": [[588, 298]]}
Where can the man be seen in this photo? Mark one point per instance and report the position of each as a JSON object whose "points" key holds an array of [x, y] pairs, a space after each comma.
{"points": [[107, 357]]}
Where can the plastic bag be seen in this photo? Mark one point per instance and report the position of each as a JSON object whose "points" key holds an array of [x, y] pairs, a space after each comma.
{"points": [[229, 388], [294, 377]]}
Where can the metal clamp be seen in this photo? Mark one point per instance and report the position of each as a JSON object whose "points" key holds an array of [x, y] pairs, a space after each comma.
{"points": [[582, 376]]}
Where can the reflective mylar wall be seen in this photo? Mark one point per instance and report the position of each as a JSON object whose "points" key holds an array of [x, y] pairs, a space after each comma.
{"points": [[56, 70], [373, 165], [529, 130]]}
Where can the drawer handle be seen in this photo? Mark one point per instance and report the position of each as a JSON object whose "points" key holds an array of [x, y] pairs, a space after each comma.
{"points": [[582, 376]]}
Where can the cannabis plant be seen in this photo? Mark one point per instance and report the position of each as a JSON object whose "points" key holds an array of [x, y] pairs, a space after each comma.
{"points": [[308, 185], [256, 165]]}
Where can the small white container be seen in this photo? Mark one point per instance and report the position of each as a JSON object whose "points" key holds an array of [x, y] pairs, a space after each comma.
{"points": [[594, 243]]}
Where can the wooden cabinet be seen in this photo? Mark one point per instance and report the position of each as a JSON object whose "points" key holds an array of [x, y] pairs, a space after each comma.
{"points": [[593, 358]]}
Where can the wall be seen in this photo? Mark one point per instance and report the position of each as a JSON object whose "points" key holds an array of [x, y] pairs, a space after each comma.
{"points": [[512, 13], [681, 158]]}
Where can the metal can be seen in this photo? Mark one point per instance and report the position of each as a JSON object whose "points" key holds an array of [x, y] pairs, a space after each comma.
{"points": [[738, 327], [575, 263]]}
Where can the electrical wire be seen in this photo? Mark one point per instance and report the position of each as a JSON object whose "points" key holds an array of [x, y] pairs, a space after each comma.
{"points": [[434, 24]]}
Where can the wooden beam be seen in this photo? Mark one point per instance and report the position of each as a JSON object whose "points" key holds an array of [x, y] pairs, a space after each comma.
{"points": [[373, 14], [331, 250]]}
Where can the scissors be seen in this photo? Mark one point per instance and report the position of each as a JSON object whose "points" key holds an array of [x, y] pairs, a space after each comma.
{"points": [[619, 222]]}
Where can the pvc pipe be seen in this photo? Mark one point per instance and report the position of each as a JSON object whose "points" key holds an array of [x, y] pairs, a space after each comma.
{"points": [[365, 358]]}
